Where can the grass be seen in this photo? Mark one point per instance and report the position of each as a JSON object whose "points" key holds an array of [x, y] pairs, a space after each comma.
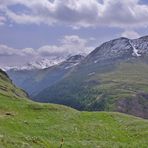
{"points": [[35, 125], [131, 77], [8, 89]]}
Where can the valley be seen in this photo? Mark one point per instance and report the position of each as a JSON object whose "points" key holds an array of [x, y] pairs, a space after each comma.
{"points": [[113, 77]]}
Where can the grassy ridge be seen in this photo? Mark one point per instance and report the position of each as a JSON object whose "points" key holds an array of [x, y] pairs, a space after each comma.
{"points": [[8, 89]]}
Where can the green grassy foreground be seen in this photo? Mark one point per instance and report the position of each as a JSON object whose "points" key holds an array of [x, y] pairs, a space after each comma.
{"points": [[26, 124]]}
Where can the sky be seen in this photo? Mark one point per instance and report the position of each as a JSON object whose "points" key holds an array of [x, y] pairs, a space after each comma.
{"points": [[35, 29]]}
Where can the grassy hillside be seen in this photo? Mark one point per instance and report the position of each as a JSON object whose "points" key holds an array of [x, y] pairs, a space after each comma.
{"points": [[26, 124], [8, 89], [113, 87]]}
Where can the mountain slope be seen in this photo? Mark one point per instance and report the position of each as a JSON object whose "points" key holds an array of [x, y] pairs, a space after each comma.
{"points": [[8, 89], [35, 80], [112, 78], [24, 123]]}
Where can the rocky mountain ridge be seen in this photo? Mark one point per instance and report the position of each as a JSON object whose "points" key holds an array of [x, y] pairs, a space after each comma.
{"points": [[121, 48]]}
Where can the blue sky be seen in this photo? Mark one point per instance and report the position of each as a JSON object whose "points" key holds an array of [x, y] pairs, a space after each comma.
{"points": [[35, 29]]}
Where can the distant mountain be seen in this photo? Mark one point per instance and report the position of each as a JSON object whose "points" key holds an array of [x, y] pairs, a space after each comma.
{"points": [[38, 64], [34, 79], [113, 78]]}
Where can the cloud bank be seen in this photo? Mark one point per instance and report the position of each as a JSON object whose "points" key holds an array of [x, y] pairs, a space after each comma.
{"points": [[69, 45], [130, 34], [76, 13]]}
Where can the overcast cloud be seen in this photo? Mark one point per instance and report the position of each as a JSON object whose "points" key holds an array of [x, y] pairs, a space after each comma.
{"points": [[81, 16], [77, 13], [69, 45]]}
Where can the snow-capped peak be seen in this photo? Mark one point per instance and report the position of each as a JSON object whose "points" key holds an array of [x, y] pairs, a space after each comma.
{"points": [[44, 63], [38, 64]]}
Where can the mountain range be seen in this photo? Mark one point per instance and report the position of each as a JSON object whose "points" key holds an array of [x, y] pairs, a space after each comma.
{"points": [[34, 80], [113, 77], [37, 64]]}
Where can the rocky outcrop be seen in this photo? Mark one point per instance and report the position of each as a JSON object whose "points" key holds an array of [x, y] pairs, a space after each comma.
{"points": [[137, 105]]}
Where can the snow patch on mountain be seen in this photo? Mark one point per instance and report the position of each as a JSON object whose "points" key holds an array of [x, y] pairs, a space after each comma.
{"points": [[71, 65], [96, 61], [92, 73], [135, 50], [73, 61], [142, 45]]}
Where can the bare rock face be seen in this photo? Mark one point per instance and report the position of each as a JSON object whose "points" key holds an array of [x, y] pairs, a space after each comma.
{"points": [[137, 106]]}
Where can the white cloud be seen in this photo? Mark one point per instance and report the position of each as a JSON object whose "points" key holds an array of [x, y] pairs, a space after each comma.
{"points": [[69, 45], [130, 34], [29, 51], [2, 20], [78, 13], [8, 51]]}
